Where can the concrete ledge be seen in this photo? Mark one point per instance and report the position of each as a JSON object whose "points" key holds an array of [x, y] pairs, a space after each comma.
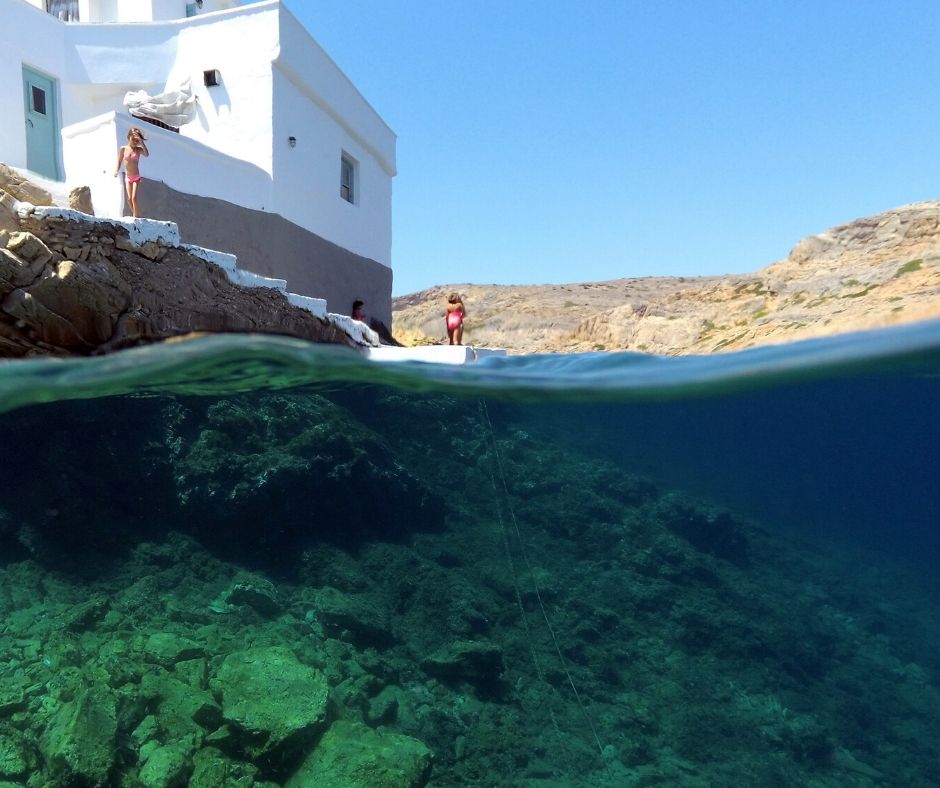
{"points": [[250, 279], [223, 260], [316, 306], [433, 354], [359, 331]]}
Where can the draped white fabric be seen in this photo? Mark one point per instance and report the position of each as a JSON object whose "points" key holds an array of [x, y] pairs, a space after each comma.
{"points": [[174, 107]]}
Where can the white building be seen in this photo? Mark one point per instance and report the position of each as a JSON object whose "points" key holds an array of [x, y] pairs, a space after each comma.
{"points": [[286, 164]]}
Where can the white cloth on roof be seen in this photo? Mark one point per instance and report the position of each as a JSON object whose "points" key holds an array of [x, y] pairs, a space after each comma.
{"points": [[173, 107]]}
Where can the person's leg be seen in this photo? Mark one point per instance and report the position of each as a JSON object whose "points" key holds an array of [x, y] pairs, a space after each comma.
{"points": [[132, 196], [460, 334], [127, 192]]}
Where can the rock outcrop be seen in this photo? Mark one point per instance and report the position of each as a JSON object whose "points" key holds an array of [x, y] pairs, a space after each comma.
{"points": [[71, 284], [22, 189], [872, 272]]}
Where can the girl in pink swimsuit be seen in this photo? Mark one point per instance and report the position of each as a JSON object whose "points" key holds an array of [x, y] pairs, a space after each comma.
{"points": [[129, 155], [453, 317]]}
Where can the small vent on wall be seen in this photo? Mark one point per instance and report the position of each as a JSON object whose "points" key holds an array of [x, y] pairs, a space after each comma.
{"points": [[211, 78]]}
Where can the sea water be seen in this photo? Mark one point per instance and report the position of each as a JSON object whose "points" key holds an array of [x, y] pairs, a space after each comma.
{"points": [[572, 570]]}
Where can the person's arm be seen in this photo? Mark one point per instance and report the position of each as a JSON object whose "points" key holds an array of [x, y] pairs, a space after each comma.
{"points": [[120, 161], [143, 148]]}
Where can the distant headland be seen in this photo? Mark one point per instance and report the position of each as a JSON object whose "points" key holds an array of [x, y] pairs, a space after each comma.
{"points": [[877, 271]]}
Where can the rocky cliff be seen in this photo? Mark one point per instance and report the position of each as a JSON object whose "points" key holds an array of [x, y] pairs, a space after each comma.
{"points": [[72, 284], [876, 271]]}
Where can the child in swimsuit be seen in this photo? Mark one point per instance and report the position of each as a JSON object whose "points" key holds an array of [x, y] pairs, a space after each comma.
{"points": [[454, 317], [129, 155]]}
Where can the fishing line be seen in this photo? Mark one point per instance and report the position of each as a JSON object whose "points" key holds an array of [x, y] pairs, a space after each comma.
{"points": [[488, 428]]}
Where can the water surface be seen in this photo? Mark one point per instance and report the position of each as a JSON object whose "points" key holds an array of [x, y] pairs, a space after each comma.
{"points": [[603, 569]]}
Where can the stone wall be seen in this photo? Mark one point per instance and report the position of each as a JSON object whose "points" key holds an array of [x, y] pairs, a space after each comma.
{"points": [[71, 284]]}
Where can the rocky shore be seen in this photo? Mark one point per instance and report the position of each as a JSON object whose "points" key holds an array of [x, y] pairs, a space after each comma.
{"points": [[74, 284], [876, 271]]}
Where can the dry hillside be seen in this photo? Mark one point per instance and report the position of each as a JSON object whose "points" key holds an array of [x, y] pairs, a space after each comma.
{"points": [[877, 271]]}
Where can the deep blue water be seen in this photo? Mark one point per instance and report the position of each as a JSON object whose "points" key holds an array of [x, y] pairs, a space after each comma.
{"points": [[837, 435], [734, 555]]}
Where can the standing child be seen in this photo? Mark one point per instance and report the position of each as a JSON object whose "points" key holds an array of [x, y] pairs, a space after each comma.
{"points": [[454, 317], [129, 155]]}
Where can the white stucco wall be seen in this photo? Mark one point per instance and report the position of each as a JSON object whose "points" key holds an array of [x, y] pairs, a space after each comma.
{"points": [[312, 170], [276, 82], [95, 11], [234, 117], [30, 38], [321, 108], [90, 151]]}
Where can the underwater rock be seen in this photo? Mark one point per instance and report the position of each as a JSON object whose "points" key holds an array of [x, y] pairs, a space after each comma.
{"points": [[353, 756], [276, 705], [168, 766], [78, 744], [87, 614], [213, 769], [181, 709], [477, 662], [194, 672], [166, 648], [383, 708], [253, 591], [11, 700], [293, 471], [713, 532], [16, 757], [365, 622]]}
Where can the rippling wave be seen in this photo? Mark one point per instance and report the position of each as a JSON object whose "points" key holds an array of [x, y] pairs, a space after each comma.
{"points": [[234, 363]]}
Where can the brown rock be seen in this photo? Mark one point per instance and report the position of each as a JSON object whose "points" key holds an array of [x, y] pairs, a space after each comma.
{"points": [[9, 222], [21, 189], [80, 200], [29, 248], [16, 272], [113, 294], [75, 306]]}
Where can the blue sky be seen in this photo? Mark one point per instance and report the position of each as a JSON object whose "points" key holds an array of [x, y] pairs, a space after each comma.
{"points": [[549, 142]]}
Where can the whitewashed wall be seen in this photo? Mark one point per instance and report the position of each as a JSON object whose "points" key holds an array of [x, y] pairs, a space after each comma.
{"points": [[38, 41], [321, 108], [268, 63], [96, 11], [312, 171], [90, 151]]}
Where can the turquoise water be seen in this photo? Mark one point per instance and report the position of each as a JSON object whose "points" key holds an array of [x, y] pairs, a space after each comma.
{"points": [[593, 570]]}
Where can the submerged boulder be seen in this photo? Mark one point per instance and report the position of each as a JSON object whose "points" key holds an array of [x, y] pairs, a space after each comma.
{"points": [[354, 756], [78, 745], [340, 613], [709, 531], [263, 478], [476, 662], [275, 705]]}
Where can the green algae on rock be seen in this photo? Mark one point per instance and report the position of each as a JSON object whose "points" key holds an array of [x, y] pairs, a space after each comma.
{"points": [[276, 705], [355, 756]]}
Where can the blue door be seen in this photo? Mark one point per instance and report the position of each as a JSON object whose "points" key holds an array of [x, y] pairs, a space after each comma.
{"points": [[42, 133]]}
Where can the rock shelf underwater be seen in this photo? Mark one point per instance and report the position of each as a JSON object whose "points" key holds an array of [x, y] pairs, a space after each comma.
{"points": [[359, 585]]}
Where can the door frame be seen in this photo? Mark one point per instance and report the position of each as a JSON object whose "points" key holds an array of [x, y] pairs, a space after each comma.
{"points": [[53, 115]]}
